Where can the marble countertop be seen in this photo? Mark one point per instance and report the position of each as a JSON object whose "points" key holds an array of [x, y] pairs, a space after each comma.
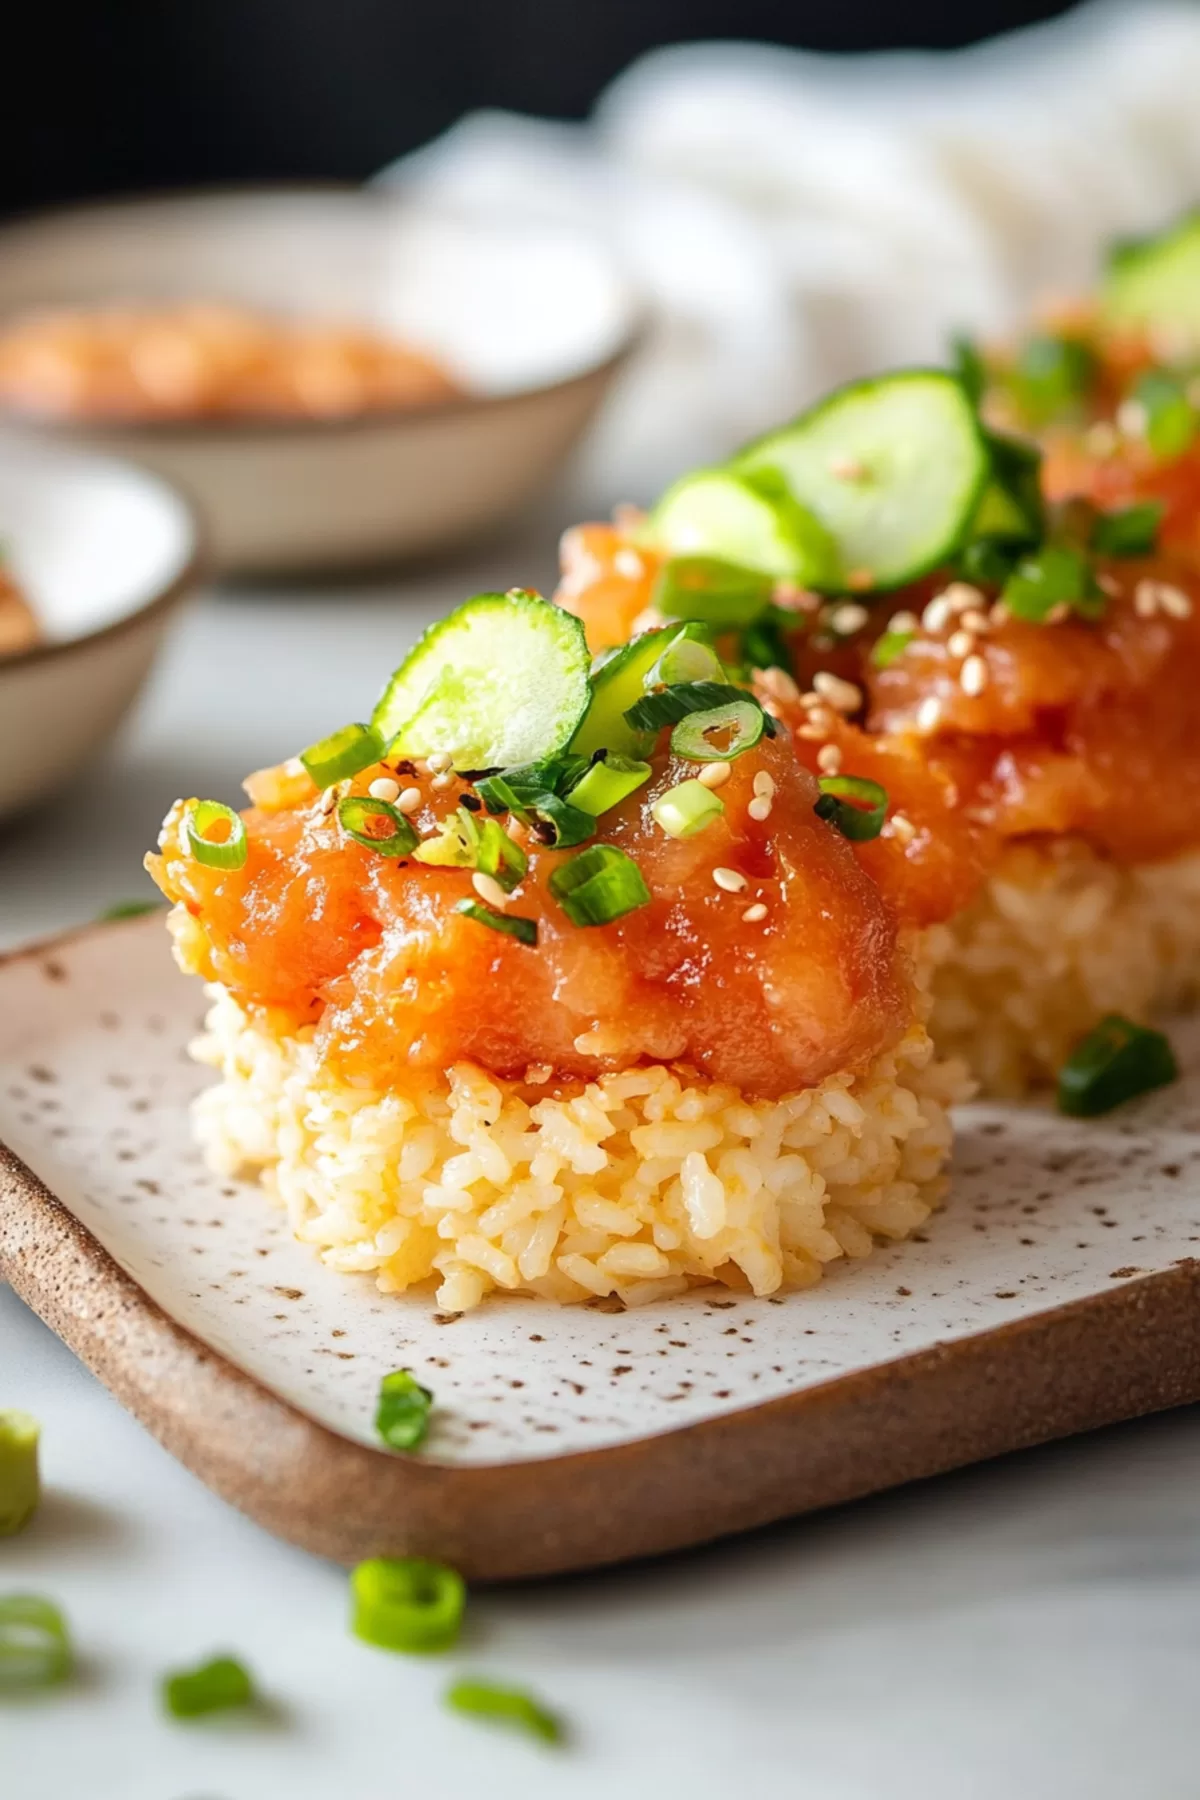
{"points": [[1032, 1626]]}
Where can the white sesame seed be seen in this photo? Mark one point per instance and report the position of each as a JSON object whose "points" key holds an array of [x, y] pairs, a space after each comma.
{"points": [[409, 800], [1110, 585], [1100, 439], [903, 828], [961, 643], [903, 621], [812, 734], [715, 775], [629, 564], [754, 913], [489, 890], [764, 785], [444, 780], [1059, 613], [730, 880], [649, 620], [962, 594], [928, 713], [1131, 418], [937, 614], [998, 613], [973, 619], [439, 762], [1145, 599], [973, 676], [1174, 601], [760, 809], [843, 696], [779, 684], [829, 759], [846, 468], [328, 801], [848, 618], [384, 788], [810, 701]]}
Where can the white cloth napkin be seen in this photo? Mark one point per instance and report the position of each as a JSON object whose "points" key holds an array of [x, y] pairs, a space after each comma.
{"points": [[794, 219]]}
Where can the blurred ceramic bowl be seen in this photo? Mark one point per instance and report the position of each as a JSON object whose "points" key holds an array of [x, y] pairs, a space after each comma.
{"points": [[532, 320], [104, 552]]}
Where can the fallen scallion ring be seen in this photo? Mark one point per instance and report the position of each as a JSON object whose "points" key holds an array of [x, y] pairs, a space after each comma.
{"points": [[504, 1706], [402, 1412], [1116, 1061], [35, 1645], [720, 733], [19, 1482], [407, 1603], [355, 813], [856, 806], [343, 754], [229, 852], [220, 1685]]}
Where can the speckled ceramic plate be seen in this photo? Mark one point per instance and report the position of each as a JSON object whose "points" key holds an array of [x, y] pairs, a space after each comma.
{"points": [[1056, 1291]]}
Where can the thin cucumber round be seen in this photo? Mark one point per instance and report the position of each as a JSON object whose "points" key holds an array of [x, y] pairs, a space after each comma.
{"points": [[894, 467], [1155, 283], [503, 680], [750, 519], [617, 684]]}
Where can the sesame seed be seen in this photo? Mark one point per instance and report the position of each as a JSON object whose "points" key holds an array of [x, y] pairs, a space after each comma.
{"points": [[384, 788], [489, 890], [928, 713], [649, 620], [937, 614], [730, 880], [848, 618], [829, 759], [962, 594], [444, 780], [974, 620], [1174, 601], [998, 613], [961, 643], [1131, 418], [812, 734], [329, 799], [629, 564], [1145, 599], [847, 468], [903, 828], [410, 799], [843, 696], [1100, 439], [903, 621], [760, 809], [973, 676], [715, 775], [754, 913], [439, 762], [779, 684], [764, 785], [1110, 585], [1059, 613]]}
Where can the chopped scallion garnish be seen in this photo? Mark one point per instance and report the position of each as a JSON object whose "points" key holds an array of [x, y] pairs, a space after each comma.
{"points": [[1131, 531], [500, 856], [455, 846], [886, 649], [361, 817], [606, 782], [19, 1482], [967, 362], [720, 733], [668, 705], [504, 1706], [226, 852], [1053, 374], [564, 824], [599, 885], [407, 1603], [510, 924], [1170, 418], [855, 805], [402, 1412], [35, 1645], [219, 1685], [712, 592], [343, 754], [1116, 1061], [1053, 576], [687, 659], [684, 811]]}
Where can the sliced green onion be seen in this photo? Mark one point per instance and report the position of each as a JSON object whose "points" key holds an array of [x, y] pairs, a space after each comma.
{"points": [[343, 754], [505, 1706], [765, 643], [518, 790], [35, 1645], [1053, 576], [355, 813], [599, 885], [606, 782], [128, 909], [1053, 374], [987, 563], [407, 1603], [500, 856], [721, 733], [1170, 417], [668, 705], [886, 649], [1116, 1061], [564, 824], [687, 659], [222, 1684], [229, 852], [855, 805], [1131, 531], [455, 846], [685, 811], [511, 924], [705, 588], [968, 364], [402, 1411], [20, 1486]]}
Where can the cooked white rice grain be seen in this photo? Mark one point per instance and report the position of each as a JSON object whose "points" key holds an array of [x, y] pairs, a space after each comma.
{"points": [[635, 1185]]}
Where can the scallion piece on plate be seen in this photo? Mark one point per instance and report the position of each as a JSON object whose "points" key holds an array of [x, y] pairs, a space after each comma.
{"points": [[510, 924], [407, 1603], [1116, 1061], [35, 1645], [720, 733], [500, 856], [219, 1685], [599, 885], [1131, 531], [229, 851], [855, 805], [668, 705], [685, 811], [20, 1487], [606, 782], [343, 754], [886, 649], [377, 825], [1053, 576], [402, 1412], [504, 1706]]}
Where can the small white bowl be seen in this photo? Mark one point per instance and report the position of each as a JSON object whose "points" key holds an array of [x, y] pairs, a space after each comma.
{"points": [[535, 321], [104, 553]]}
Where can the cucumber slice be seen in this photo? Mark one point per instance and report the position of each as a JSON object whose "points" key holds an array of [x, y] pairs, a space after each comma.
{"points": [[619, 682], [748, 518], [1155, 282], [894, 467], [502, 680]]}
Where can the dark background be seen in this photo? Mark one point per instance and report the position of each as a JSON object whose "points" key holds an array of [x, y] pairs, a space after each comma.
{"points": [[111, 96]]}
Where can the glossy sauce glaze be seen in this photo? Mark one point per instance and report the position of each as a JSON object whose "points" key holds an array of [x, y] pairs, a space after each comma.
{"points": [[373, 953]]}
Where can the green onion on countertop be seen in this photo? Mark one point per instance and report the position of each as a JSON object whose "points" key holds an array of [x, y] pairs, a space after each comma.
{"points": [[20, 1487], [35, 1645], [343, 754], [1115, 1062], [407, 1603], [228, 852], [504, 1706], [856, 806], [220, 1685]]}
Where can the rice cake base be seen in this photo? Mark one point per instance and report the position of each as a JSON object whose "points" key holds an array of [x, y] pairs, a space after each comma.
{"points": [[1056, 1292]]}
